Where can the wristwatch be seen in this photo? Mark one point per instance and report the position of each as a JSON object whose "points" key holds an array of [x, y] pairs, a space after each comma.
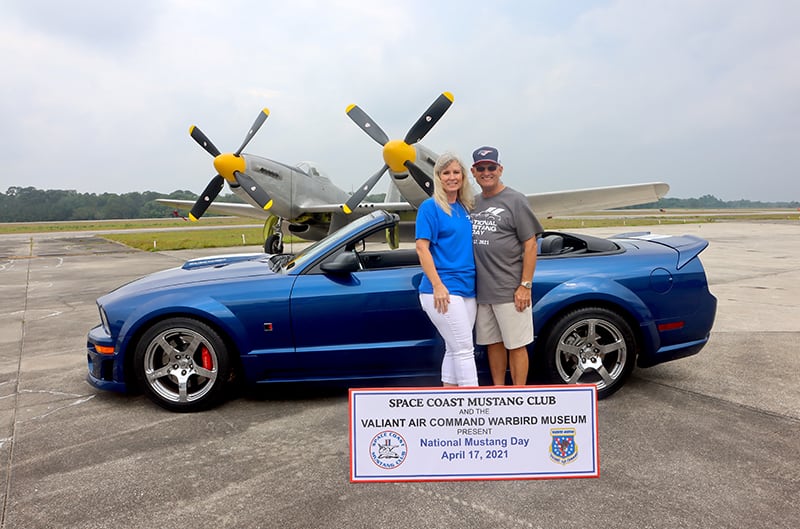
{"points": [[526, 284]]}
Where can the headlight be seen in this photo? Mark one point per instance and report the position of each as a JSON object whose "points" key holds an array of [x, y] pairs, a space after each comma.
{"points": [[104, 320]]}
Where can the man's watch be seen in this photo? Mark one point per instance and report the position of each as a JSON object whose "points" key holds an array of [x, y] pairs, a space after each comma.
{"points": [[526, 284]]}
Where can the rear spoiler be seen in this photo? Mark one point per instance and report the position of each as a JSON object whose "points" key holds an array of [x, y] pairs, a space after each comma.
{"points": [[687, 246]]}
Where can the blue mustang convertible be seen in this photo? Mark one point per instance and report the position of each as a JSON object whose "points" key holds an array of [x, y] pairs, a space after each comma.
{"points": [[338, 312]]}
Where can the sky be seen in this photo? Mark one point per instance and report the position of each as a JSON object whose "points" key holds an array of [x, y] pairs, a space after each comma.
{"points": [[704, 95]]}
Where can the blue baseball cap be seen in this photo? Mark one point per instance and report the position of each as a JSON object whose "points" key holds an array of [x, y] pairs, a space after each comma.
{"points": [[485, 154]]}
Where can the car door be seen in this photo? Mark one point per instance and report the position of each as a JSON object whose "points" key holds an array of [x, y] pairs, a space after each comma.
{"points": [[363, 324]]}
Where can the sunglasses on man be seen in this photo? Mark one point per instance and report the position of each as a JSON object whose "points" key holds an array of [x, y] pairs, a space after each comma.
{"points": [[487, 167]]}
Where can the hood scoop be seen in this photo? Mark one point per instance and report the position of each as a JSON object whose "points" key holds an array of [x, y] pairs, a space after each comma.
{"points": [[218, 261]]}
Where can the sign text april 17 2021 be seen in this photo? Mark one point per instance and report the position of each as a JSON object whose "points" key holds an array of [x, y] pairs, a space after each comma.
{"points": [[437, 434]]}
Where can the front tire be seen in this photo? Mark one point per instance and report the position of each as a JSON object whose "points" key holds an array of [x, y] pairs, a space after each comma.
{"points": [[592, 345], [182, 365]]}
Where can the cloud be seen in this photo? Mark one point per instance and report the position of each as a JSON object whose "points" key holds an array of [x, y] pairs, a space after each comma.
{"points": [[99, 96]]}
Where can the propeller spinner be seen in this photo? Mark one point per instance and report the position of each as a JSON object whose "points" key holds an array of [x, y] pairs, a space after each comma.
{"points": [[230, 167], [398, 155]]}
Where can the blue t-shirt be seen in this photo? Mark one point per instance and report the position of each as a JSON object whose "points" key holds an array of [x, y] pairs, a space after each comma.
{"points": [[450, 239]]}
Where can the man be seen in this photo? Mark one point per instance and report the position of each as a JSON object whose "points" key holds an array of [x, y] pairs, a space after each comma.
{"points": [[504, 232]]}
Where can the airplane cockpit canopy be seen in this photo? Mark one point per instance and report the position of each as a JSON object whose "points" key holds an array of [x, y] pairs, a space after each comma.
{"points": [[312, 169]]}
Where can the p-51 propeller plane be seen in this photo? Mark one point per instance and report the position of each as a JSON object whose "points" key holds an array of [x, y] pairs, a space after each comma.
{"points": [[304, 197]]}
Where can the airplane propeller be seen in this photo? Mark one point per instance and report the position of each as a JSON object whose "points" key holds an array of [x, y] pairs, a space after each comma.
{"points": [[398, 155], [230, 167]]}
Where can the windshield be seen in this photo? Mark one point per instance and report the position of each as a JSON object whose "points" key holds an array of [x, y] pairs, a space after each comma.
{"points": [[312, 169], [333, 240]]}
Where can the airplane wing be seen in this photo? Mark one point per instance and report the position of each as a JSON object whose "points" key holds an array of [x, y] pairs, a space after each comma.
{"points": [[364, 207], [545, 205], [556, 203], [220, 208], [246, 210]]}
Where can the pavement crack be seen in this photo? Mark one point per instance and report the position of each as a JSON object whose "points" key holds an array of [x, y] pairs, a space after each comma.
{"points": [[10, 458], [713, 398]]}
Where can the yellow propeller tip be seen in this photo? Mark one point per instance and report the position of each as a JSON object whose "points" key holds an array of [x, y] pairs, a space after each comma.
{"points": [[349, 108], [265, 110], [193, 218], [449, 96], [191, 129], [346, 209], [268, 205]]}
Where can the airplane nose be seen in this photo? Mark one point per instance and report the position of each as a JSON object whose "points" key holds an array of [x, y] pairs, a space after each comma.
{"points": [[227, 164], [396, 153]]}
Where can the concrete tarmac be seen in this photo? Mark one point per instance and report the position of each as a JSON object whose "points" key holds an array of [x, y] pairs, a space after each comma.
{"points": [[709, 441]]}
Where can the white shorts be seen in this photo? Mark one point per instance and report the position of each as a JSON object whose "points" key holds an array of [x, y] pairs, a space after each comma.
{"points": [[501, 322]]}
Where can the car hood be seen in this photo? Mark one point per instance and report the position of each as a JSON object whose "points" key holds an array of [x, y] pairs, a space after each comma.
{"points": [[203, 269]]}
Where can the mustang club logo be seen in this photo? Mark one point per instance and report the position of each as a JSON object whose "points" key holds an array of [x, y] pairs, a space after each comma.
{"points": [[388, 449], [563, 448]]}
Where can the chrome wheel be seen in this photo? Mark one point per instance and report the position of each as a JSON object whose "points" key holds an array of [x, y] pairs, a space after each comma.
{"points": [[592, 346], [182, 364]]}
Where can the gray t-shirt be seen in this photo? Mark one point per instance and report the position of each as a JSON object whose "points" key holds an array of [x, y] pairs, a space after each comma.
{"points": [[500, 226]]}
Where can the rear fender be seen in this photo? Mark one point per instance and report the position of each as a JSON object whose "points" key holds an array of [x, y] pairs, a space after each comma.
{"points": [[599, 291]]}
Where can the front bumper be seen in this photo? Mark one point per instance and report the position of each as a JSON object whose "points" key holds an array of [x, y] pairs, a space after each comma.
{"points": [[105, 370]]}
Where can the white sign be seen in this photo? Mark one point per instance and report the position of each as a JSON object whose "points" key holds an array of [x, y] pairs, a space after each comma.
{"points": [[438, 434]]}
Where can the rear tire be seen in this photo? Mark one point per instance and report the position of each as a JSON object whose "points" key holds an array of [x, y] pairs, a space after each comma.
{"points": [[592, 345], [182, 365]]}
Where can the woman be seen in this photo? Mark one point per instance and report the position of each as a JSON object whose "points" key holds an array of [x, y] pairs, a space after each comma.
{"points": [[444, 246]]}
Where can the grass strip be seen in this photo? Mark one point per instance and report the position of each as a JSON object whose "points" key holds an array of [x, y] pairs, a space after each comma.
{"points": [[180, 240]]}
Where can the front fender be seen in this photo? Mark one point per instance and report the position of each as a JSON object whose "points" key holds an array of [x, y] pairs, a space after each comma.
{"points": [[592, 290], [204, 308]]}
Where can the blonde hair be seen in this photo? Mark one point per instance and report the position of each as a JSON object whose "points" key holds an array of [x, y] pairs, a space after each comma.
{"points": [[465, 193]]}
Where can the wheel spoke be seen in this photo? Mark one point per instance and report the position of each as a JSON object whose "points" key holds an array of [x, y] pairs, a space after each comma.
{"points": [[605, 375], [612, 347], [153, 376], [576, 375], [569, 349], [203, 372], [193, 345], [167, 347], [591, 331], [182, 391]]}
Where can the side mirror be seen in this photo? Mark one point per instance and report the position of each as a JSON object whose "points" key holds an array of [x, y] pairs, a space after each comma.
{"points": [[344, 263], [358, 246]]}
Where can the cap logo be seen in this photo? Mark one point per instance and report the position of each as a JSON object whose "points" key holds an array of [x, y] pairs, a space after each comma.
{"points": [[484, 152]]}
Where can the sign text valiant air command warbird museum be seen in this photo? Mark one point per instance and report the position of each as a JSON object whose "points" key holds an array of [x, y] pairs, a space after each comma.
{"points": [[478, 433]]}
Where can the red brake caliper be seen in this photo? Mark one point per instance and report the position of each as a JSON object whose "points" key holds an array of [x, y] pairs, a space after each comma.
{"points": [[205, 358]]}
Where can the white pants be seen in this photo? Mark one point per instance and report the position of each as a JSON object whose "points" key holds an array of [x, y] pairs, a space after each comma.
{"points": [[455, 327]]}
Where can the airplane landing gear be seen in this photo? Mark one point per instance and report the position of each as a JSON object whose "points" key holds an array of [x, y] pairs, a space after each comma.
{"points": [[274, 244], [274, 241]]}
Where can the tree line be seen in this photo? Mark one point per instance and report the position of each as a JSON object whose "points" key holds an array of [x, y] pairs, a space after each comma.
{"points": [[28, 204], [712, 202]]}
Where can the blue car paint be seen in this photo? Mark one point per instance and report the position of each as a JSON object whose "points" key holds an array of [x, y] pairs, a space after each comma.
{"points": [[304, 325]]}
